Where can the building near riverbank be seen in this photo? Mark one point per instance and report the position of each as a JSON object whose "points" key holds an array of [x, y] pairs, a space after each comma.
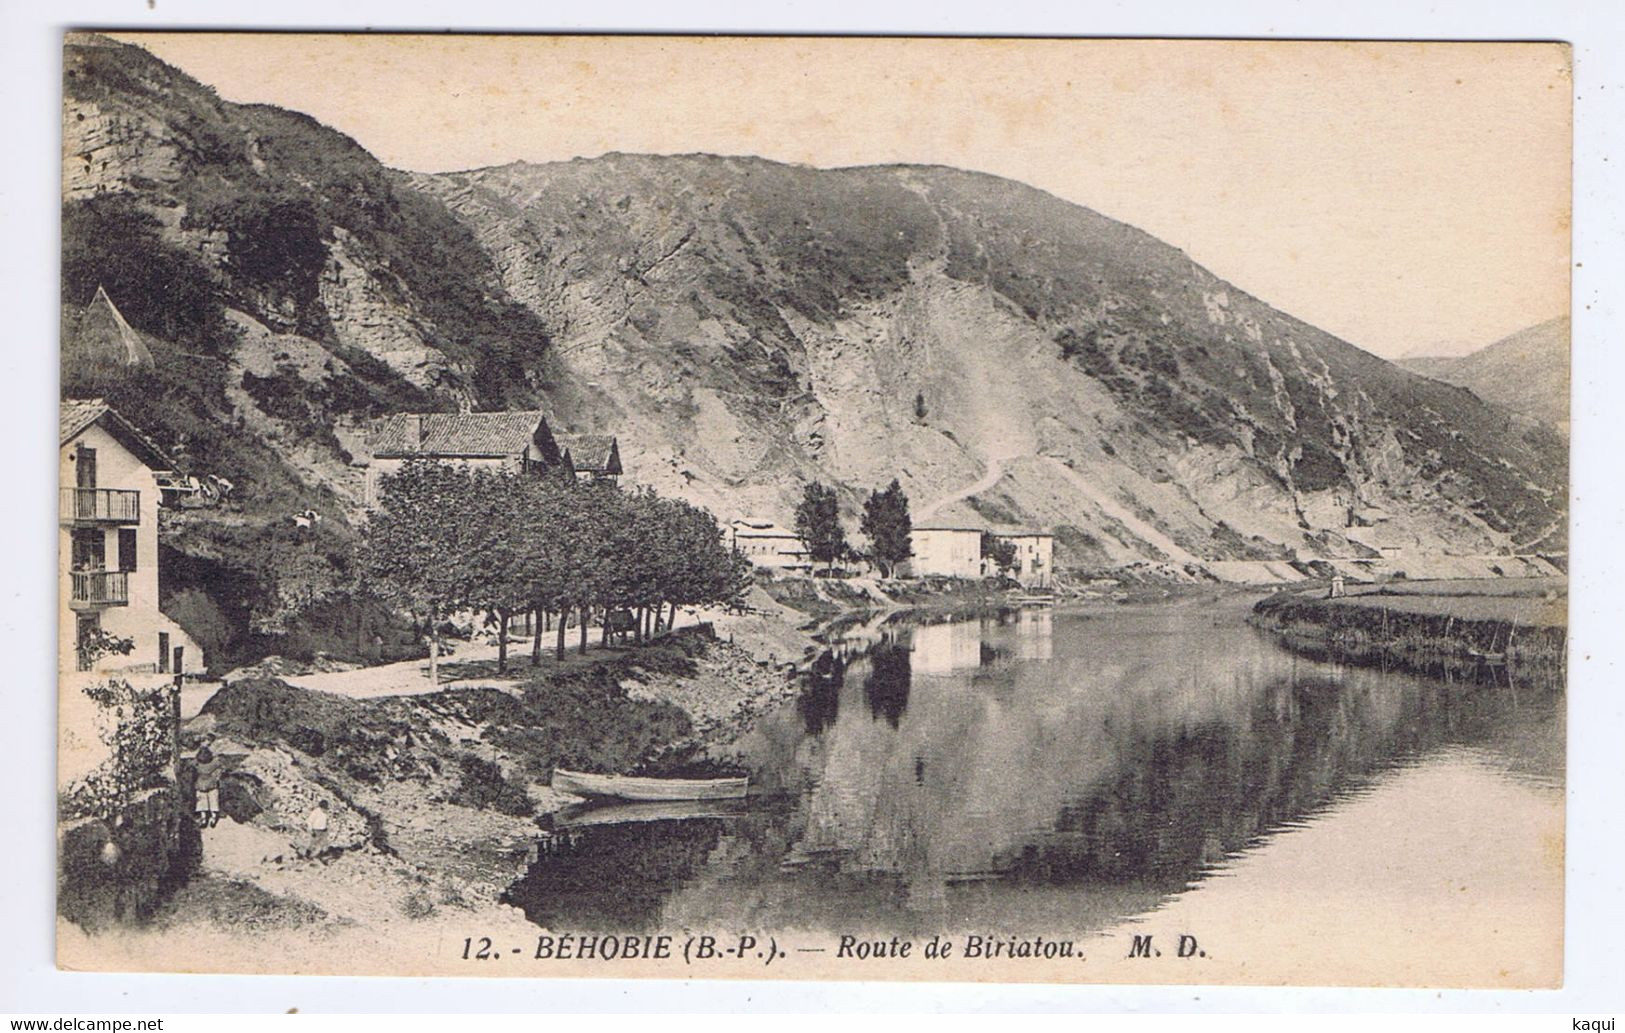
{"points": [[946, 551], [1035, 557], [768, 545], [956, 551]]}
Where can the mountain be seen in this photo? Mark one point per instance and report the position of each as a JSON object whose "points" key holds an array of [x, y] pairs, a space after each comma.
{"points": [[749, 325], [1527, 372], [744, 327]]}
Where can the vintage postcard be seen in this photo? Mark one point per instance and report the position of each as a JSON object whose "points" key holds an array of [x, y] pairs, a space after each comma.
{"points": [[1086, 511]]}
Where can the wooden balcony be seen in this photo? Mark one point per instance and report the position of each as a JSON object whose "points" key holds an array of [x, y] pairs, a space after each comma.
{"points": [[83, 507], [95, 589]]}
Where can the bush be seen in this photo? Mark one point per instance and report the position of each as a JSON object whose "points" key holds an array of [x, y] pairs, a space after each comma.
{"points": [[416, 905], [485, 787]]}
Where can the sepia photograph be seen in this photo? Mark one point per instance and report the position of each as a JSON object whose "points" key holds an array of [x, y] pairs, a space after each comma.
{"points": [[1078, 511]]}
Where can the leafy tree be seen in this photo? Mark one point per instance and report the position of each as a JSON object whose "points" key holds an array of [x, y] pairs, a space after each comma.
{"points": [[494, 559], [414, 547], [1001, 551], [446, 539], [886, 522], [818, 523]]}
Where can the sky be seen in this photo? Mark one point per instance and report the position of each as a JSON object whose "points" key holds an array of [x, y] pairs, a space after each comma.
{"points": [[1412, 198]]}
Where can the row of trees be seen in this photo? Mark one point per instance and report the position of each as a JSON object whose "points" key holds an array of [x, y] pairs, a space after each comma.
{"points": [[885, 522], [448, 539]]}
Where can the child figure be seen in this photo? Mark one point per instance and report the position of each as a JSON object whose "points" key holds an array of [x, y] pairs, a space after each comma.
{"points": [[209, 768], [317, 824]]}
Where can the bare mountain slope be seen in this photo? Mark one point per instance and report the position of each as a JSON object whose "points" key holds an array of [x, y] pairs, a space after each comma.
{"points": [[750, 325], [1527, 372]]}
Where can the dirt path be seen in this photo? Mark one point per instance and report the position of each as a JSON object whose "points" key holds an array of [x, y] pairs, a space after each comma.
{"points": [[406, 678], [995, 471]]}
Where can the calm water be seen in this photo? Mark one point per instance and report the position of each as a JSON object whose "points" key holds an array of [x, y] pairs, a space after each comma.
{"points": [[1065, 773]]}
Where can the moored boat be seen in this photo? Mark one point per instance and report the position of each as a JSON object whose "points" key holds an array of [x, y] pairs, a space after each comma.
{"points": [[627, 787], [616, 812]]}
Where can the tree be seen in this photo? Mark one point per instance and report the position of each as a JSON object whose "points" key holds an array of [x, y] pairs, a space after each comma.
{"points": [[494, 559], [818, 523], [415, 547], [886, 522], [1000, 551]]}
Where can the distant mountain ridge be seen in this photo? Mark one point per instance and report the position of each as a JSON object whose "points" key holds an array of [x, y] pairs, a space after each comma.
{"points": [[744, 326], [1527, 371]]}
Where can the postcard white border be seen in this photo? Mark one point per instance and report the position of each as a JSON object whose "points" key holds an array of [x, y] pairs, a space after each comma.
{"points": [[29, 185]]}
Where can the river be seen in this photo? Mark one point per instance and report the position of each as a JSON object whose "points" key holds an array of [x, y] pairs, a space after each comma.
{"points": [[1079, 774]]}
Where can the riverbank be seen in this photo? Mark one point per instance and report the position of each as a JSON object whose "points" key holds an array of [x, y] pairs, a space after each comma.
{"points": [[434, 799], [1521, 624]]}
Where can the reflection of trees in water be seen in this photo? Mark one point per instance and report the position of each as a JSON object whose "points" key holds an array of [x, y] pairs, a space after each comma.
{"points": [[891, 670], [1178, 803], [615, 876], [820, 700], [1111, 771]]}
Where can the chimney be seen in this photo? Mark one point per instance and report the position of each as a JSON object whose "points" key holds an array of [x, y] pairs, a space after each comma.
{"points": [[414, 430]]}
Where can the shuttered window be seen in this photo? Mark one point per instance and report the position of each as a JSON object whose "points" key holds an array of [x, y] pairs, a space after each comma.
{"points": [[126, 548]]}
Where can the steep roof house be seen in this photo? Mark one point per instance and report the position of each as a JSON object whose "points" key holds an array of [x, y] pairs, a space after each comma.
{"points": [[108, 614], [592, 456]]}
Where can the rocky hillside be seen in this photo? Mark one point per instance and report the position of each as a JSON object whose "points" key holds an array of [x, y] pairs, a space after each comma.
{"points": [[1527, 372], [744, 326], [1012, 357]]}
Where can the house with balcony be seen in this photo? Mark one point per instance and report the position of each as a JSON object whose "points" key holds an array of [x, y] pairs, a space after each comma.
{"points": [[108, 592]]}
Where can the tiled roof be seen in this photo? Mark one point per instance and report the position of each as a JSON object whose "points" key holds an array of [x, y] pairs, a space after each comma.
{"points": [[78, 414], [477, 434], [593, 453]]}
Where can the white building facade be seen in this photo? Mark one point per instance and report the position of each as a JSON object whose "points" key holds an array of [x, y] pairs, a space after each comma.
{"points": [[768, 545], [946, 552], [108, 559]]}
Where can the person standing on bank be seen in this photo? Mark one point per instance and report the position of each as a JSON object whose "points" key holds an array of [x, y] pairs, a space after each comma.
{"points": [[317, 824], [209, 768]]}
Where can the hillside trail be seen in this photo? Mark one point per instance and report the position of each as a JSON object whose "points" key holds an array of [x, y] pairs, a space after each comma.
{"points": [[1100, 499], [990, 477]]}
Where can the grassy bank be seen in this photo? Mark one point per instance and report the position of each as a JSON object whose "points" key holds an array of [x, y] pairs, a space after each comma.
{"points": [[1521, 623]]}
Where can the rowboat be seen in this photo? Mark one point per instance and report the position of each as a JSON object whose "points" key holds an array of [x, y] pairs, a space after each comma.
{"points": [[582, 815], [626, 787]]}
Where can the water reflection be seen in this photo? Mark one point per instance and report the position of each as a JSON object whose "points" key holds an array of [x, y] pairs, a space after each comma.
{"points": [[1040, 769]]}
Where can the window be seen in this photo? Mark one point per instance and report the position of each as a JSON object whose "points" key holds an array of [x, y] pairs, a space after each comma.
{"points": [[85, 467], [126, 549], [163, 652], [88, 548]]}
